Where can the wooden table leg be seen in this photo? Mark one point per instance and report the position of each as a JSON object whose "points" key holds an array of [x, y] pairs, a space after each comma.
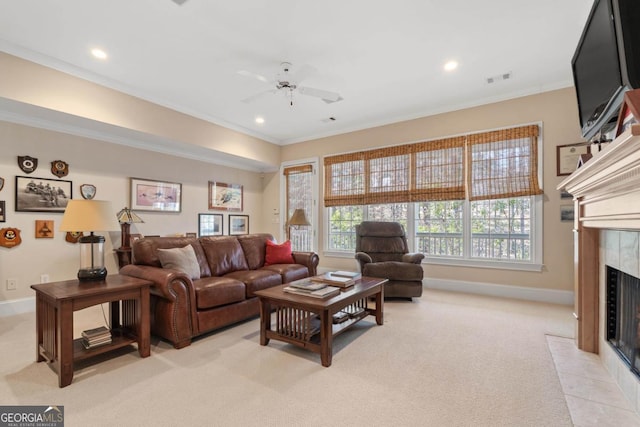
{"points": [[380, 306], [326, 338], [144, 328], [40, 319], [64, 335], [265, 321]]}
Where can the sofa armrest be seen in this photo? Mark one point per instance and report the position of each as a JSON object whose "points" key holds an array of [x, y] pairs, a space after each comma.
{"points": [[363, 258], [309, 260], [414, 258], [175, 315]]}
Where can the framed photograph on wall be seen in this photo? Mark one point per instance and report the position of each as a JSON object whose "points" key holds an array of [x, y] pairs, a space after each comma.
{"points": [[566, 213], [238, 224], [225, 197], [150, 195], [567, 157], [210, 225], [3, 215], [42, 194]]}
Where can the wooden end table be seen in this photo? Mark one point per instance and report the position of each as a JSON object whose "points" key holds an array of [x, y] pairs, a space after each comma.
{"points": [[295, 315], [56, 302]]}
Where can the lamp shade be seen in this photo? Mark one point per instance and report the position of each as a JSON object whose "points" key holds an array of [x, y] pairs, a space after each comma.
{"points": [[88, 215], [125, 216], [298, 218]]}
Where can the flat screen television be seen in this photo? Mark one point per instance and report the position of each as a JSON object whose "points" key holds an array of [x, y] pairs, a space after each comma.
{"points": [[605, 63]]}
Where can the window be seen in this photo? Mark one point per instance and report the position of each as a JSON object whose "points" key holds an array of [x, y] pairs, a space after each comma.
{"points": [[299, 191], [469, 198]]}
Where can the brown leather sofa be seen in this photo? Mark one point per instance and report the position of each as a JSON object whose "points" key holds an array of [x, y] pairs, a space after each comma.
{"points": [[232, 268]]}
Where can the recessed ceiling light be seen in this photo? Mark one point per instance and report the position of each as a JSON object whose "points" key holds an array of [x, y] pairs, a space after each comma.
{"points": [[451, 65], [259, 120], [99, 53]]}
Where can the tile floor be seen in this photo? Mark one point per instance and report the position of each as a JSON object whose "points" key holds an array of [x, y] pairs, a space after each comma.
{"points": [[593, 396]]}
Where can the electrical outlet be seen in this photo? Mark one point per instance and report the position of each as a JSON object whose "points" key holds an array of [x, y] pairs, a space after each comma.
{"points": [[12, 284], [44, 278]]}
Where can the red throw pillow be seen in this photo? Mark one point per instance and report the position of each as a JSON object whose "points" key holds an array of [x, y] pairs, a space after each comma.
{"points": [[278, 253]]}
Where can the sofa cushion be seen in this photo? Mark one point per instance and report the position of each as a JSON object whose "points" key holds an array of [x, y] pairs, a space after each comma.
{"points": [[256, 280], [278, 253], [253, 246], [224, 254], [216, 291], [182, 259], [288, 272]]}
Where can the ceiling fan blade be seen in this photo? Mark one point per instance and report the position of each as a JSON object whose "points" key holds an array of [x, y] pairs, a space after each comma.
{"points": [[252, 75], [259, 95], [302, 73], [325, 95]]}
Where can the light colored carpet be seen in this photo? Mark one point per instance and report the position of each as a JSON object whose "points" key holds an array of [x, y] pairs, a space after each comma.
{"points": [[445, 359]]}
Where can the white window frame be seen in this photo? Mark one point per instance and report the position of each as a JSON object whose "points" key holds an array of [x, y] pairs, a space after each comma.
{"points": [[313, 161]]}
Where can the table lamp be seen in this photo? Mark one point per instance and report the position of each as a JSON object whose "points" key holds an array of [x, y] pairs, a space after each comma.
{"points": [[89, 216], [297, 219], [126, 218]]}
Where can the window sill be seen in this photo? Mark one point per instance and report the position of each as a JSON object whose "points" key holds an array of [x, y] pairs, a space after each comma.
{"points": [[498, 265]]}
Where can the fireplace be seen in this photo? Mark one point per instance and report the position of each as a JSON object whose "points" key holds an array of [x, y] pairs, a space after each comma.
{"points": [[607, 234], [622, 306]]}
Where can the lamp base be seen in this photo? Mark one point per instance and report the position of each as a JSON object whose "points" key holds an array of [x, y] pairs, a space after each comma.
{"points": [[92, 274]]}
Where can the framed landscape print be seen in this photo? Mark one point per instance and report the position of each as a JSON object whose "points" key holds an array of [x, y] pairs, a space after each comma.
{"points": [[210, 225], [42, 194], [150, 195], [238, 224], [225, 197]]}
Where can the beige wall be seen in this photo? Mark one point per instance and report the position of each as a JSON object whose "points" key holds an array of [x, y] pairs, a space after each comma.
{"points": [[108, 167], [557, 110]]}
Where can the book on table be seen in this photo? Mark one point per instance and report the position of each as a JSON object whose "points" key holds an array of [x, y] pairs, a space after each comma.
{"points": [[354, 275], [96, 337], [307, 284], [325, 292], [329, 279]]}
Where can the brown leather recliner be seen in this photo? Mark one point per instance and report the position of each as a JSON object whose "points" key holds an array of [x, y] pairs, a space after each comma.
{"points": [[382, 251]]}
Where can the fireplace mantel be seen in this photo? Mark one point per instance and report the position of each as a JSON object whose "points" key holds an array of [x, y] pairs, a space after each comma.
{"points": [[607, 187]]}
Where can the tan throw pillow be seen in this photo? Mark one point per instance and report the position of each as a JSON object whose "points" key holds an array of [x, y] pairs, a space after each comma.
{"points": [[182, 259]]}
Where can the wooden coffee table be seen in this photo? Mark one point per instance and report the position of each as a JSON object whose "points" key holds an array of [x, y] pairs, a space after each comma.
{"points": [[298, 317]]}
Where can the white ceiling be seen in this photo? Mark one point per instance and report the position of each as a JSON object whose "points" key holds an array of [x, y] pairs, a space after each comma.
{"points": [[385, 58]]}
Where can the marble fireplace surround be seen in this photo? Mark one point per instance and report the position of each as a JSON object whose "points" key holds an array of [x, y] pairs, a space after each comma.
{"points": [[606, 192]]}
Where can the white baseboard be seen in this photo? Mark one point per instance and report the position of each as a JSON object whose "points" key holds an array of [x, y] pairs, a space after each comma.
{"points": [[552, 296], [17, 306]]}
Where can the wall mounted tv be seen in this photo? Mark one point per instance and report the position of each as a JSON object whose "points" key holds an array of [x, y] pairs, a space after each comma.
{"points": [[606, 63]]}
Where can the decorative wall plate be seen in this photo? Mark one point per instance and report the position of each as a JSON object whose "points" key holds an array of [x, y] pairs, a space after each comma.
{"points": [[44, 229], [59, 168], [10, 237], [73, 236], [88, 191], [27, 163]]}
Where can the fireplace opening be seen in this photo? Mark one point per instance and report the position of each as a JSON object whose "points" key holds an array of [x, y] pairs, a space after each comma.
{"points": [[623, 316]]}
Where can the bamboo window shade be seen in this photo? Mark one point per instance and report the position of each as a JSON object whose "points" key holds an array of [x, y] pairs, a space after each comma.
{"points": [[499, 164], [503, 163]]}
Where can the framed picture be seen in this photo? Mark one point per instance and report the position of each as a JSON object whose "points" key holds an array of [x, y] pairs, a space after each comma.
{"points": [[88, 191], [210, 225], [44, 229], [629, 112], [567, 157], [3, 216], [566, 213], [238, 224], [149, 195], [225, 197], [42, 194]]}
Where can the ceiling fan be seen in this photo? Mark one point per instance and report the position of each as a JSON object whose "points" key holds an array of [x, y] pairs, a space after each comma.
{"points": [[288, 82]]}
